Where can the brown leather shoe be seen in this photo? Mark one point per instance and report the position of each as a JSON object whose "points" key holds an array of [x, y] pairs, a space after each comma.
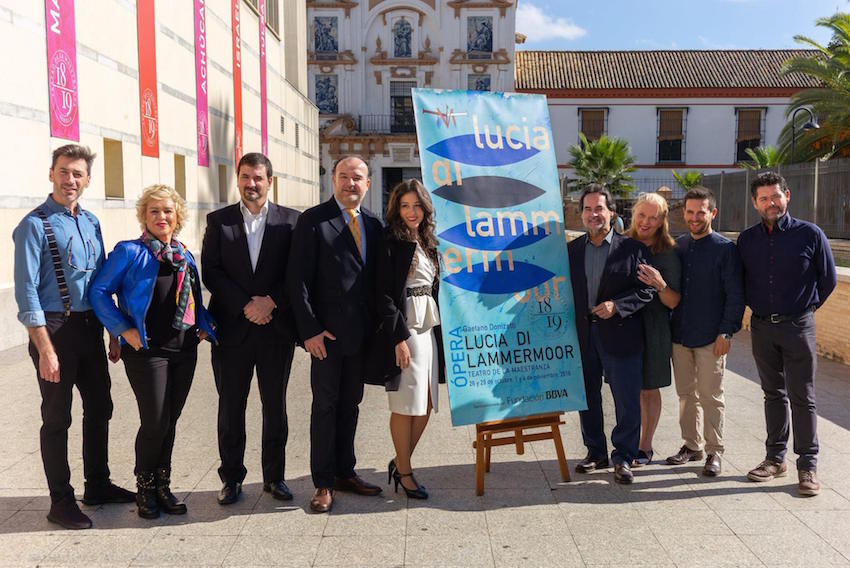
{"points": [[767, 470], [809, 484], [712, 466], [322, 501], [357, 485], [685, 455]]}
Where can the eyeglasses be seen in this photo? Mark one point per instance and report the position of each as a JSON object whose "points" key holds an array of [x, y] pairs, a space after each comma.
{"points": [[90, 257]]}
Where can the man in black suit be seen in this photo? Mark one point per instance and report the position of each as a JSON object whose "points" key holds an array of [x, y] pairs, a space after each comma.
{"points": [[244, 257], [607, 296], [331, 283]]}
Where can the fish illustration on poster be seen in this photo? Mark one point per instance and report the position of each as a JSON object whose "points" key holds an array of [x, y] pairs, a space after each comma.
{"points": [[506, 304]]}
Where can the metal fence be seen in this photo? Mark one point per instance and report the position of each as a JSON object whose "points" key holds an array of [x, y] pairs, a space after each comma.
{"points": [[820, 193]]}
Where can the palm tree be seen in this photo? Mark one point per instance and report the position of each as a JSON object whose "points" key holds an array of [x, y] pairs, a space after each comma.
{"points": [[830, 102], [606, 161], [688, 180], [763, 157]]}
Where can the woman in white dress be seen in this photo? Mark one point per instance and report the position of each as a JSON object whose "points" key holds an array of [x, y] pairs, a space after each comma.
{"points": [[408, 274]]}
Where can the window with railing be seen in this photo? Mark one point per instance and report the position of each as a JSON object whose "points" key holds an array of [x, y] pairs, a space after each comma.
{"points": [[749, 131], [671, 135], [592, 122], [401, 105]]}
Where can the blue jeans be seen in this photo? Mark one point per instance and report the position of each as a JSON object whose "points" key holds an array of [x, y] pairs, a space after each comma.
{"points": [[625, 377]]}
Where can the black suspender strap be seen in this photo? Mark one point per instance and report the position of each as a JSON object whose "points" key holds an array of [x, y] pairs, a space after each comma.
{"points": [[57, 262]]}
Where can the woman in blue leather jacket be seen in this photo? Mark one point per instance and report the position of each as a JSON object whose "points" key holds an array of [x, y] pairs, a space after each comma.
{"points": [[160, 319]]}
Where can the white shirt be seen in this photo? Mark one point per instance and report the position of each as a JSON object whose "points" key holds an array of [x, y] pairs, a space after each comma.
{"points": [[255, 227]]}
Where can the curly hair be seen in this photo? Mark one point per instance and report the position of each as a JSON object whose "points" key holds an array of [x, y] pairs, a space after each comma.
{"points": [[662, 241], [155, 193], [398, 229], [767, 179]]}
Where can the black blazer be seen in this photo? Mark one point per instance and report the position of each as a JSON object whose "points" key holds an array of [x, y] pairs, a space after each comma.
{"points": [[621, 334], [227, 274], [329, 286], [391, 298]]}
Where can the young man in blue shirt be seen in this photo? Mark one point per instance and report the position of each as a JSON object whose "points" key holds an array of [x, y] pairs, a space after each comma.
{"points": [[789, 272], [58, 247], [709, 312]]}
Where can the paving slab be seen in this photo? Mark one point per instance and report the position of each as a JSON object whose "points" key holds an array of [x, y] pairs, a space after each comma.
{"points": [[670, 516]]}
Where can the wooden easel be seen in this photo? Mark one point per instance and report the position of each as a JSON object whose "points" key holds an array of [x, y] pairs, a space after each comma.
{"points": [[485, 438]]}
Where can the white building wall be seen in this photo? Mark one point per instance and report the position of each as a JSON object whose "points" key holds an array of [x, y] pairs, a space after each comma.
{"points": [[359, 92], [108, 95], [710, 129]]}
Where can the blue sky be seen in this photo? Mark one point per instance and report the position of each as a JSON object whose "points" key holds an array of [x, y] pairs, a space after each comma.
{"points": [[671, 24]]}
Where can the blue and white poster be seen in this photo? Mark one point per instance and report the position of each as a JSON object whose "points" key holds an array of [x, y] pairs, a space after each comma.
{"points": [[506, 303]]}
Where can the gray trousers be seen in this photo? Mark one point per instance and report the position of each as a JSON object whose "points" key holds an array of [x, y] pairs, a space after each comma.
{"points": [[786, 359]]}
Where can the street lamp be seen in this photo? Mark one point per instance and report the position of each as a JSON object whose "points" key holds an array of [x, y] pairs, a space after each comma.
{"points": [[811, 125]]}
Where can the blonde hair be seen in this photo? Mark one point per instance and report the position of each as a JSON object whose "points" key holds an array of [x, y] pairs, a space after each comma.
{"points": [[662, 239], [157, 192]]}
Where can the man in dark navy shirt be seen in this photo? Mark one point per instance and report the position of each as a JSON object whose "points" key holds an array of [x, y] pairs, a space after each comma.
{"points": [[709, 313], [788, 273]]}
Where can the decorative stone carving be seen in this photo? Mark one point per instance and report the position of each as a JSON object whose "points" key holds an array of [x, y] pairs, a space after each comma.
{"points": [[458, 5], [347, 5]]}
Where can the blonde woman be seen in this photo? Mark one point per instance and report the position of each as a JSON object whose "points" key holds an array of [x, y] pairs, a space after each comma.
{"points": [[649, 226], [160, 319]]}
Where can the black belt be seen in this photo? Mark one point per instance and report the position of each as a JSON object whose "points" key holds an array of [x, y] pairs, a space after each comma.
{"points": [[779, 318], [419, 291]]}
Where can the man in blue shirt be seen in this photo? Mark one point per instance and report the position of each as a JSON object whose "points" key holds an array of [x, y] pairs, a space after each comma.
{"points": [[788, 273], [709, 312], [58, 246]]}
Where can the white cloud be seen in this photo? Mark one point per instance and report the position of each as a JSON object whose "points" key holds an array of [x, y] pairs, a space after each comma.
{"points": [[539, 26]]}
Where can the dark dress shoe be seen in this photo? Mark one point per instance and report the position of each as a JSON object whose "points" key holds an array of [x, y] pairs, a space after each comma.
{"points": [[229, 493], [108, 492], [66, 513], [322, 501], [591, 463], [623, 473], [712, 466], [685, 455], [278, 489], [357, 485]]}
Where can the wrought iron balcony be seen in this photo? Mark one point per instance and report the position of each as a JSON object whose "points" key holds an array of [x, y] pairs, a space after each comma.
{"points": [[398, 123]]}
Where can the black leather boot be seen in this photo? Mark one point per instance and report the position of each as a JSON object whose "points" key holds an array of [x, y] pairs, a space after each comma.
{"points": [[166, 499], [146, 499]]}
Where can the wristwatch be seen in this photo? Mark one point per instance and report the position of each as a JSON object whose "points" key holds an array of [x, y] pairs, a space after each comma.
{"points": [[726, 336]]}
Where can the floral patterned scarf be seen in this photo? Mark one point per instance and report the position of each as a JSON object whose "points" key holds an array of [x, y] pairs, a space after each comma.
{"points": [[174, 255]]}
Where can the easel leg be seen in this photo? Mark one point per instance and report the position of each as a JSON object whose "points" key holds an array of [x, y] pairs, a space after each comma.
{"points": [[479, 464], [559, 449], [487, 451]]}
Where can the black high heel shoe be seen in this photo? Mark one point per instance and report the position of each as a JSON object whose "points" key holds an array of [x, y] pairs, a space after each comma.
{"points": [[418, 493], [392, 471]]}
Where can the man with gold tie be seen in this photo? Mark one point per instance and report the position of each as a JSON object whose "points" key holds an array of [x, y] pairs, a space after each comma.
{"points": [[331, 282]]}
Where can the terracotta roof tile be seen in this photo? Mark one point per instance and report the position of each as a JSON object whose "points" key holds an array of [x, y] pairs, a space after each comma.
{"points": [[680, 69]]}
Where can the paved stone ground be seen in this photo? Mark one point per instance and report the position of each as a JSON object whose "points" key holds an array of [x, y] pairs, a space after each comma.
{"points": [[670, 516]]}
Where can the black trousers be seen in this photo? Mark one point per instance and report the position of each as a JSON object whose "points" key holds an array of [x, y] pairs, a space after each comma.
{"points": [[337, 386], [786, 358], [78, 342], [233, 367], [161, 381]]}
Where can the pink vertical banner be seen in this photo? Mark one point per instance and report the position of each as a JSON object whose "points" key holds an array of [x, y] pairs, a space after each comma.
{"points": [[237, 79], [264, 111], [201, 103], [62, 69]]}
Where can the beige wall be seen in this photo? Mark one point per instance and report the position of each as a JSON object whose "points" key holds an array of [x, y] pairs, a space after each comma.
{"points": [[107, 62]]}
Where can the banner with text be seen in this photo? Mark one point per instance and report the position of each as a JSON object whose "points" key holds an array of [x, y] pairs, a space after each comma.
{"points": [[264, 110], [146, 25], [237, 79], [201, 103], [506, 303], [62, 69]]}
